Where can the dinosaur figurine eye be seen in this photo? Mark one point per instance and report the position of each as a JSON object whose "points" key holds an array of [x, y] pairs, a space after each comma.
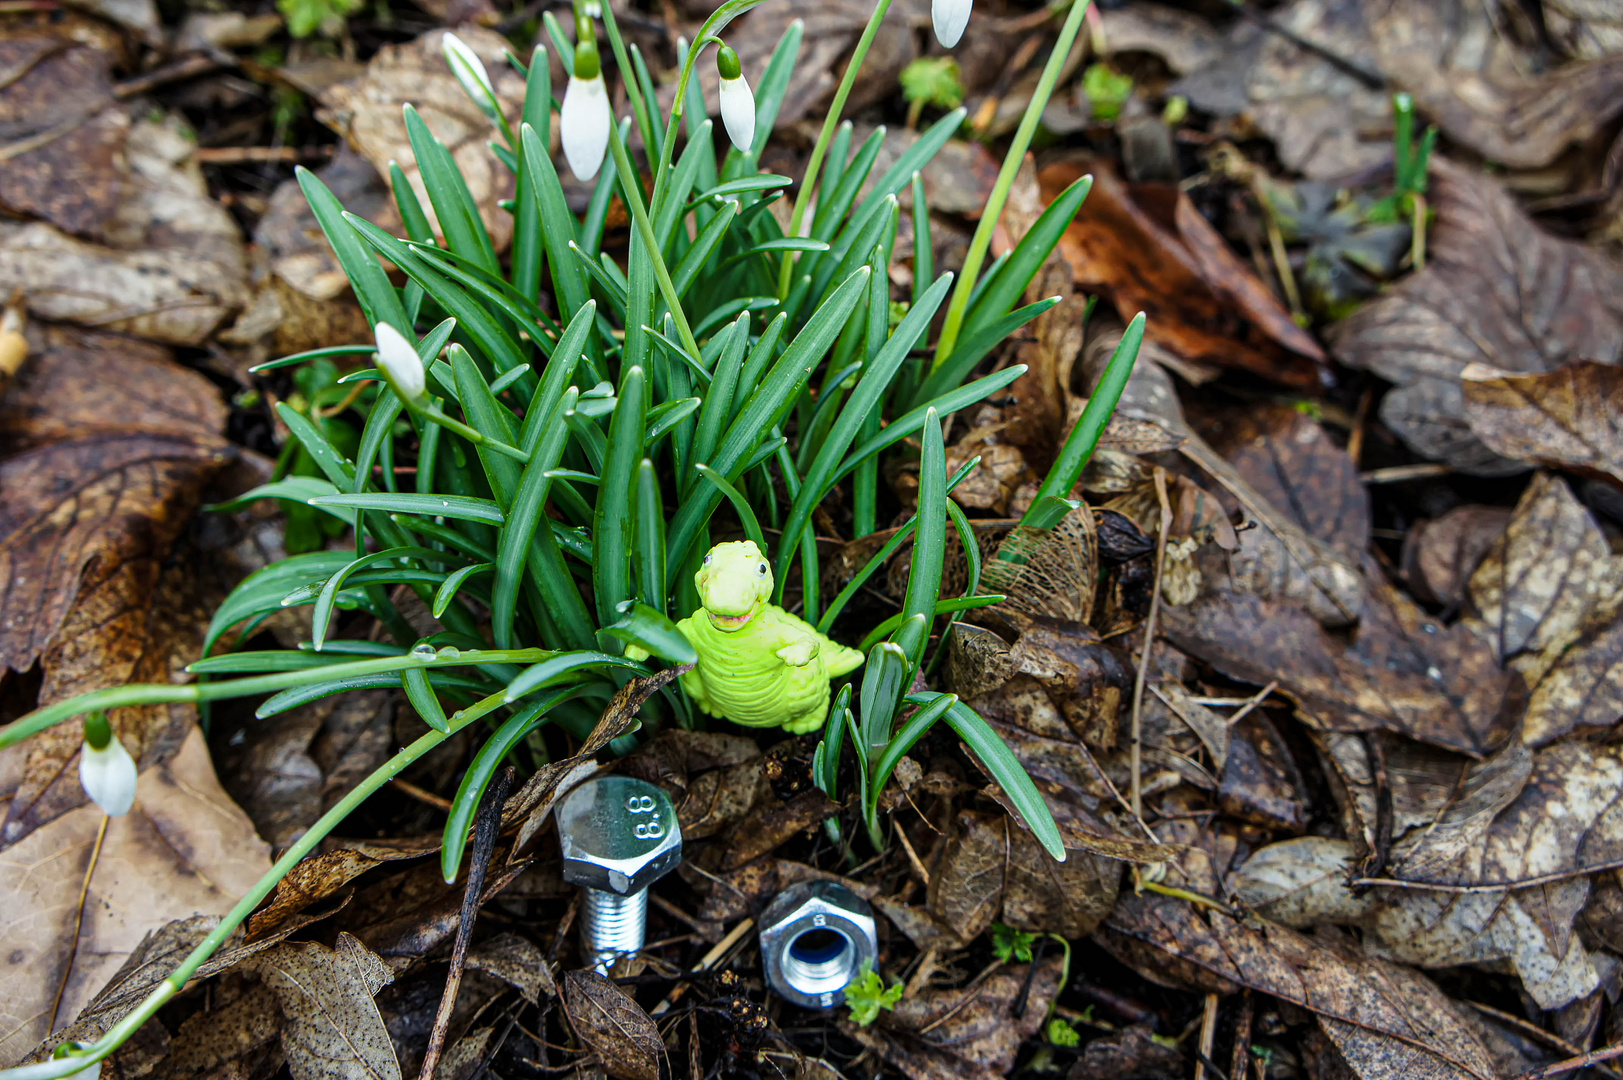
{"points": [[707, 560], [763, 569]]}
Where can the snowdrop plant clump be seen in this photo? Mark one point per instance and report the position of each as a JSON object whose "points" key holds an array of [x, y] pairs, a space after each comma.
{"points": [[553, 435]]}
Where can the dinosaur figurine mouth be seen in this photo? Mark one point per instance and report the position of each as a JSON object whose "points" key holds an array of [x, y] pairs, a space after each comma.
{"points": [[730, 622]]}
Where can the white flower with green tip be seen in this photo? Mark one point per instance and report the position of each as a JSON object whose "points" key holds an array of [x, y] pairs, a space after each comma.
{"points": [[106, 769], [737, 102], [400, 364], [949, 17], [583, 123]]}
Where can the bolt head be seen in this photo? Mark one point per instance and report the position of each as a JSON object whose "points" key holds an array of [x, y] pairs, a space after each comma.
{"points": [[618, 834], [800, 909]]}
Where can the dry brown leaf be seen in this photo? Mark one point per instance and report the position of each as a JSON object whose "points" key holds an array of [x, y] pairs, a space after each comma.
{"points": [[1497, 291], [1546, 599], [366, 112], [947, 1033], [172, 268], [61, 107], [1398, 670], [1289, 460], [1260, 781], [1586, 29], [1570, 418], [334, 1030], [516, 961], [1152, 252], [185, 849], [1439, 556], [1464, 72], [1500, 831], [105, 446], [1279, 559], [966, 890], [613, 1026], [1131, 1054], [1388, 1022]]}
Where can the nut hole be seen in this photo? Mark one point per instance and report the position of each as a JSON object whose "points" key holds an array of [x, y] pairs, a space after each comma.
{"points": [[820, 960]]}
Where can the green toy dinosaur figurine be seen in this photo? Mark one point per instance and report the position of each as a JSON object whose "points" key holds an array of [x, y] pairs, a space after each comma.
{"points": [[758, 665]]}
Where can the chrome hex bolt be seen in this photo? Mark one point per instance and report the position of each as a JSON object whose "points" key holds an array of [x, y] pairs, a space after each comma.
{"points": [[619, 836], [816, 937]]}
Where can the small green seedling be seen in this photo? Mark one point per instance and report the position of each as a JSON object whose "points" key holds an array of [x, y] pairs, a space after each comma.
{"points": [[305, 17], [868, 994], [934, 81], [1061, 1033], [1009, 944], [1107, 90]]}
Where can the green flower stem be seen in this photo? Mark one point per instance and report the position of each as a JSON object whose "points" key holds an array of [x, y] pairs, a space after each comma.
{"points": [[176, 981], [118, 697], [1005, 180], [457, 427], [708, 32], [628, 74], [814, 166], [645, 228]]}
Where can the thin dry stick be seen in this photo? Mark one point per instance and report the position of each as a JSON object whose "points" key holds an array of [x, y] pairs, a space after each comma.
{"points": [[422, 795], [1149, 640], [79, 919], [1533, 1031], [913, 856], [706, 962], [1582, 1061], [1240, 1056], [1493, 886], [1257, 699], [487, 825], [1208, 1035]]}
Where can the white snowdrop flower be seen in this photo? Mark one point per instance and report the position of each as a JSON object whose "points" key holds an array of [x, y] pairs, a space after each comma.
{"points": [[583, 124], [594, 9], [467, 67], [737, 102], [400, 364], [949, 18], [106, 769]]}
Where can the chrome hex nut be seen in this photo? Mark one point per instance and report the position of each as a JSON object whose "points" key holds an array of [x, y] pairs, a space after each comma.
{"points": [[618, 834], [816, 937]]}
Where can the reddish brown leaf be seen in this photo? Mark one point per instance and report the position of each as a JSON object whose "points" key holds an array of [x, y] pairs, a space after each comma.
{"points": [[1139, 244]]}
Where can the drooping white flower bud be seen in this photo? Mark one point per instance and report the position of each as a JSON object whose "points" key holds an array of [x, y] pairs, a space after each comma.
{"points": [[949, 17], [468, 68], [400, 364], [737, 102], [583, 123], [106, 769]]}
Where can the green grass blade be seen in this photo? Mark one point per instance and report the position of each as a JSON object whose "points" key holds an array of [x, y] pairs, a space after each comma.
{"points": [[972, 347], [652, 632], [423, 699], [1084, 437], [460, 507], [376, 295], [448, 194], [741, 505], [447, 591], [1009, 282], [774, 85], [613, 530], [1006, 769]]}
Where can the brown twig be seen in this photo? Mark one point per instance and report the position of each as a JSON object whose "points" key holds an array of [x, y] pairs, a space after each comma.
{"points": [[706, 962], [1149, 640], [79, 919], [1208, 1035], [1355, 438], [1398, 474], [422, 795], [1240, 1056], [1582, 1061], [1496, 886], [1251, 703], [261, 155], [189, 68], [487, 825], [1533, 1031]]}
